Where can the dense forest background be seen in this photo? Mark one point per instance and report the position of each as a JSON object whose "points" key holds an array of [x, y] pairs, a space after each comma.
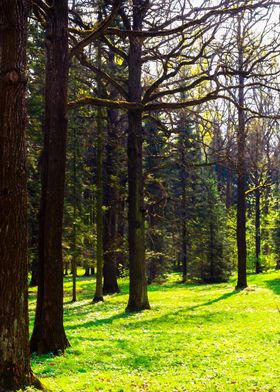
{"points": [[190, 156], [151, 147]]}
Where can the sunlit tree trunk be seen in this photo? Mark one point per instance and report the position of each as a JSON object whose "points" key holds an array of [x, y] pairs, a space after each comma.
{"points": [[241, 172], [138, 298]]}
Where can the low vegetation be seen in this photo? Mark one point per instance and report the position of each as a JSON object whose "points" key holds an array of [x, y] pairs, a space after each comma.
{"points": [[196, 337]]}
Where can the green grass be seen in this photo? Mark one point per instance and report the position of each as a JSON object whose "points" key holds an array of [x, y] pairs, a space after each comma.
{"points": [[196, 338]]}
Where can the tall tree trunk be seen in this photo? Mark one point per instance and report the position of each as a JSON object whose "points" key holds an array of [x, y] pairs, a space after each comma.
{"points": [[121, 261], [184, 228], [98, 296], [74, 257], [111, 194], [241, 173], [138, 297], [111, 200], [258, 231], [15, 370], [48, 334]]}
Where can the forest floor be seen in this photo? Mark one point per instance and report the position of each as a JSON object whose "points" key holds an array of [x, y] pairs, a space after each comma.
{"points": [[196, 337]]}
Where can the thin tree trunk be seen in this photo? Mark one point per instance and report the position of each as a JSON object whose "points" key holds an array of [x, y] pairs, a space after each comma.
{"points": [[111, 198], [228, 189], [98, 296], [258, 231], [87, 270], [138, 297], [121, 260], [74, 259], [184, 230], [211, 250], [15, 370], [241, 174], [48, 334], [34, 273]]}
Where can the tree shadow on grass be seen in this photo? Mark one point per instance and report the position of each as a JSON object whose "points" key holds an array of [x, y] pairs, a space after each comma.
{"points": [[99, 322], [274, 285], [213, 301], [134, 321]]}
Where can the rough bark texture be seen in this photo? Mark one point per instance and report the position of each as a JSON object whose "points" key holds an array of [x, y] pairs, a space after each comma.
{"points": [[15, 371], [138, 298], [241, 175], [111, 200], [48, 334]]}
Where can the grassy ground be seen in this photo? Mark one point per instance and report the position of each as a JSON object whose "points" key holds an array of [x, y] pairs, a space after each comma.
{"points": [[195, 338]]}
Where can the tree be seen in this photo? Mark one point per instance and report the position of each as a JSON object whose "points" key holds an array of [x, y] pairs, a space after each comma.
{"points": [[155, 198], [98, 296], [48, 334], [112, 204], [15, 370], [185, 60], [241, 167]]}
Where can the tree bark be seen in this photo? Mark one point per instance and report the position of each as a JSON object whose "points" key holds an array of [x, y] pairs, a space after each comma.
{"points": [[184, 225], [138, 297], [111, 200], [241, 173], [258, 231], [15, 370], [48, 334], [74, 255], [98, 296]]}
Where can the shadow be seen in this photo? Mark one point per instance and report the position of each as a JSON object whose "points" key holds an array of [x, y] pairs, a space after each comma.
{"points": [[99, 322], [213, 301], [274, 285], [134, 322]]}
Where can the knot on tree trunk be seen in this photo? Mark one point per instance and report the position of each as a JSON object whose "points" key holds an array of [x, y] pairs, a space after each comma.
{"points": [[15, 76]]}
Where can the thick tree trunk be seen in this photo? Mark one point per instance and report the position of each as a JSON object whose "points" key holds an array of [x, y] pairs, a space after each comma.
{"points": [[15, 370], [138, 297], [48, 334], [241, 176]]}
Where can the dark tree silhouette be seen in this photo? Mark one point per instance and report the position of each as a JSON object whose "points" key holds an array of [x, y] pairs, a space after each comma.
{"points": [[48, 334], [15, 370]]}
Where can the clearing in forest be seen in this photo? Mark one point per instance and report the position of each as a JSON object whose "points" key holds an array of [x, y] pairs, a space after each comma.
{"points": [[197, 337]]}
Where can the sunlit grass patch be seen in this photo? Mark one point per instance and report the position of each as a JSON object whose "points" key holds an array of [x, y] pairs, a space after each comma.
{"points": [[196, 337]]}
